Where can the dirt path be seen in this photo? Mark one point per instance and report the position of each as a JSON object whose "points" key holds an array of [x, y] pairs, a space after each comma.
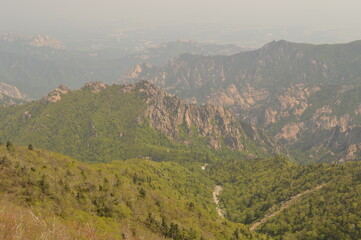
{"points": [[217, 190], [284, 205]]}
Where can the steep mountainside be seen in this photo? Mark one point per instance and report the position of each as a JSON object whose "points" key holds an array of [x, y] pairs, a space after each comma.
{"points": [[306, 96], [9, 95], [102, 123]]}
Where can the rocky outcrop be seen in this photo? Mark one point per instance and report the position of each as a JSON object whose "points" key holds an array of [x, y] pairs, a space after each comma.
{"points": [[55, 95], [180, 121], [11, 91], [10, 95], [39, 40], [290, 132], [241, 98], [94, 87], [358, 110], [46, 41]]}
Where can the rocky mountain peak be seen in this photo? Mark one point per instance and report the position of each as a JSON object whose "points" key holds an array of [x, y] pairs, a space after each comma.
{"points": [[55, 95], [276, 44], [41, 40], [11, 91], [95, 87], [150, 92], [137, 71], [179, 121]]}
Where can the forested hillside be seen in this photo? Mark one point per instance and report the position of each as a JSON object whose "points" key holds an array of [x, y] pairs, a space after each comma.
{"points": [[103, 123], [316, 201], [172, 171], [63, 198]]}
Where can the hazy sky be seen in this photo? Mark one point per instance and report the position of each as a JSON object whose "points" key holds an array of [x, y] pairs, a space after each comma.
{"points": [[38, 14]]}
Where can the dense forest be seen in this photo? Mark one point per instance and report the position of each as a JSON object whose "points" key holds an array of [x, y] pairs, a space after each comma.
{"points": [[132, 199], [315, 201], [123, 178]]}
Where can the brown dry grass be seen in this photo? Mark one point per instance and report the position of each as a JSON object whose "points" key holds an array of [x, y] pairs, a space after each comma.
{"points": [[22, 223]]}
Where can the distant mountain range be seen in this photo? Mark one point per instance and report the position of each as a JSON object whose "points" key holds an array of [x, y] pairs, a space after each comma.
{"points": [[188, 167], [306, 96], [37, 64], [16, 40]]}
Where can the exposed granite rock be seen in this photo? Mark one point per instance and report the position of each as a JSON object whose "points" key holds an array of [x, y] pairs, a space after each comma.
{"points": [[290, 132], [26, 115], [242, 98], [41, 40], [55, 95], [11, 91], [307, 96], [95, 87], [10, 95], [358, 110], [137, 71], [171, 116], [324, 119]]}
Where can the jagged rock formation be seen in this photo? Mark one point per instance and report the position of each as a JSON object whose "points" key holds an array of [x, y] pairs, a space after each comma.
{"points": [[171, 116], [37, 64], [103, 123], [94, 87], [304, 95], [9, 95], [39, 40], [55, 95], [11, 91]]}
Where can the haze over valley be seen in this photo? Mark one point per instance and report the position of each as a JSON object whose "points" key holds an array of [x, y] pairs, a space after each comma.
{"points": [[180, 120]]}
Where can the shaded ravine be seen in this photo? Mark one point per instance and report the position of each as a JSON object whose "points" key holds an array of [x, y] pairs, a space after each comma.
{"points": [[217, 190], [284, 205]]}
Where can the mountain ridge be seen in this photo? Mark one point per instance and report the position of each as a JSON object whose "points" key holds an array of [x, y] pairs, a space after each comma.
{"points": [[281, 87], [129, 120]]}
